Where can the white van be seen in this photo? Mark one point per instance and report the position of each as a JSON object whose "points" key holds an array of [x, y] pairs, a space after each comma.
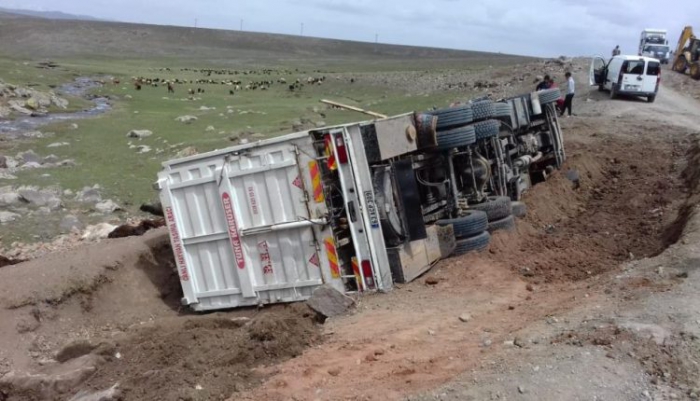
{"points": [[627, 75]]}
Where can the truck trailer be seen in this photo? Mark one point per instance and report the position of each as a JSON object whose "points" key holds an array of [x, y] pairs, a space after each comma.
{"points": [[356, 206]]}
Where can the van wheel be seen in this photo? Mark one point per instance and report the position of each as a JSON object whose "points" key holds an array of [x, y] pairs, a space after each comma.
{"points": [[601, 88], [651, 98], [613, 92]]}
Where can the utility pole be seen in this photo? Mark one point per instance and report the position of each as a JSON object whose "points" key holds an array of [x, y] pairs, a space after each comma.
{"points": [[376, 38], [241, 25], [195, 23], [302, 29]]}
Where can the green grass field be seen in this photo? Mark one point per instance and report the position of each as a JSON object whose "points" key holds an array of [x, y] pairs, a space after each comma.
{"points": [[99, 146]]}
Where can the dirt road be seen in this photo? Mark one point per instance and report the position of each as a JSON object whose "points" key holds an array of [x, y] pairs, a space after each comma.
{"points": [[594, 297], [600, 314]]}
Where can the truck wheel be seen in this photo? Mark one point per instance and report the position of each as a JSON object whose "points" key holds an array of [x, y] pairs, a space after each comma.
{"points": [[482, 109], [476, 243], [519, 209], [456, 137], [496, 207], [507, 223], [487, 129], [469, 225], [651, 98], [549, 95], [453, 116]]}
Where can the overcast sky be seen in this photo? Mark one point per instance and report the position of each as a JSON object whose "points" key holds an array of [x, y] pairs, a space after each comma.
{"points": [[532, 27]]}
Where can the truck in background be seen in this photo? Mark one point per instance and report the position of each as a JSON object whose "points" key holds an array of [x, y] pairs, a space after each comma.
{"points": [[654, 43], [356, 206]]}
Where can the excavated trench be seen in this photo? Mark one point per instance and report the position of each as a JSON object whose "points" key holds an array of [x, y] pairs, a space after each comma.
{"points": [[615, 200]]}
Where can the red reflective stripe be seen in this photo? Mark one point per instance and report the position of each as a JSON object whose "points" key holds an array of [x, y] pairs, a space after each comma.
{"points": [[233, 230], [177, 245]]}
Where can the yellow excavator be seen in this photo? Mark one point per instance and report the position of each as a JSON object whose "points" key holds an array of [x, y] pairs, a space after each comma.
{"points": [[687, 55]]}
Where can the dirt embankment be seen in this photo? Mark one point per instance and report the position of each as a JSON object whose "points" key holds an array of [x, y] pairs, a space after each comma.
{"points": [[104, 316], [611, 203], [681, 83]]}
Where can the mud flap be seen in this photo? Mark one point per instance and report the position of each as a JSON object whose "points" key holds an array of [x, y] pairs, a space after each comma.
{"points": [[410, 199]]}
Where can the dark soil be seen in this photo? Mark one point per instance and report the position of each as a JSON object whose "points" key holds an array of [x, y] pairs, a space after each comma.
{"points": [[203, 357], [617, 208]]}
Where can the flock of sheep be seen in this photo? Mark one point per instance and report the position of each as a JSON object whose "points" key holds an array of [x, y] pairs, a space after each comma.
{"points": [[236, 84]]}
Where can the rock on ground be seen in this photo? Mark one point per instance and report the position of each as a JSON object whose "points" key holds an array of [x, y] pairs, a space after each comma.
{"points": [[40, 198], [6, 217], [57, 144], [186, 119], [60, 102], [109, 394], [107, 206], [329, 302], [186, 152], [70, 223], [98, 231], [139, 133], [10, 198], [29, 157], [52, 381], [89, 195]]}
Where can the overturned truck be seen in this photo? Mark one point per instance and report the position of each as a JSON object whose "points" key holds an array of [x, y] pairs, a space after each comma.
{"points": [[357, 206]]}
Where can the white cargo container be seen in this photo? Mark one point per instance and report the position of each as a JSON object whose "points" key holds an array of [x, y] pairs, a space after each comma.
{"points": [[357, 206], [249, 224]]}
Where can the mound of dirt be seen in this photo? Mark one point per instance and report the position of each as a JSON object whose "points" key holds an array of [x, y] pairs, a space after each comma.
{"points": [[610, 203], [205, 357]]}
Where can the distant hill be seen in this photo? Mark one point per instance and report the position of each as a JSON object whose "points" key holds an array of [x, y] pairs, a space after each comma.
{"points": [[29, 37], [49, 14]]}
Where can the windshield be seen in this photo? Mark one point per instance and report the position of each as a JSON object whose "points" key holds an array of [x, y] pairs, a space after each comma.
{"points": [[656, 49]]}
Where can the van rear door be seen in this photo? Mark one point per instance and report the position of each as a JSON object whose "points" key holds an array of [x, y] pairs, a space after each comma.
{"points": [[632, 76], [652, 77]]}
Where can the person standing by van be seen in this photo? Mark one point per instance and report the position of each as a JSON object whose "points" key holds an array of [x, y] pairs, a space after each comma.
{"points": [[570, 90], [616, 51]]}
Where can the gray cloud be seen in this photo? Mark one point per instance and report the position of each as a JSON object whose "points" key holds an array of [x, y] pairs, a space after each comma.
{"points": [[533, 27]]}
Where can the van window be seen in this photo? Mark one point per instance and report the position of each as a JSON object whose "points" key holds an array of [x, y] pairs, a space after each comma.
{"points": [[633, 67], [653, 68]]}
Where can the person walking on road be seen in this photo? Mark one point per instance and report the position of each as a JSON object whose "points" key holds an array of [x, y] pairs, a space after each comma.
{"points": [[616, 51], [571, 89]]}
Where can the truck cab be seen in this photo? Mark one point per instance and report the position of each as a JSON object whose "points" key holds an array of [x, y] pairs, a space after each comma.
{"points": [[627, 75], [660, 52]]}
